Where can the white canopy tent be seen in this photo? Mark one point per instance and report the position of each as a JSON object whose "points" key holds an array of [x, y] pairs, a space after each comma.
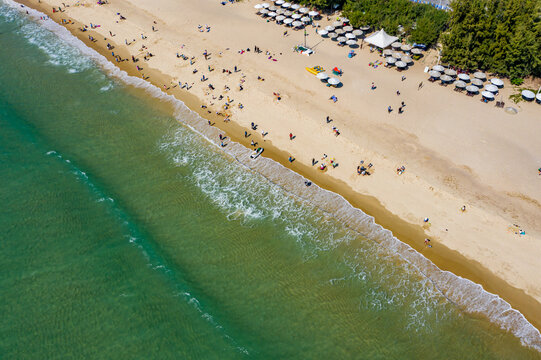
{"points": [[380, 39]]}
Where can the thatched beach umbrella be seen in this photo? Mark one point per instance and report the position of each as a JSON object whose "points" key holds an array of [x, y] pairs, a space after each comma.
{"points": [[263, 11], [396, 45], [416, 51], [333, 81], [313, 13], [280, 18], [357, 32], [538, 98], [350, 36], [450, 72], [351, 42], [342, 39], [340, 31], [296, 16], [491, 88], [333, 36], [406, 59], [272, 14], [344, 20], [477, 83], [480, 75], [401, 64], [438, 68], [464, 77], [390, 60], [348, 28], [286, 5], [295, 6], [265, 5], [258, 6], [272, 8], [397, 55], [288, 13], [303, 10], [405, 48], [528, 95], [446, 78], [297, 23], [306, 19], [365, 28], [434, 74], [322, 32], [472, 89], [288, 21], [337, 24], [497, 82], [322, 76], [387, 52], [460, 84], [280, 11], [329, 28], [488, 95]]}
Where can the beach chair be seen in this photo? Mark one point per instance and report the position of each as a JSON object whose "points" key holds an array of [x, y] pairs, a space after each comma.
{"points": [[337, 71]]}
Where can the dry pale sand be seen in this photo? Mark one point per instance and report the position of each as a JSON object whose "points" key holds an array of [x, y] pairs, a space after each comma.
{"points": [[457, 151]]}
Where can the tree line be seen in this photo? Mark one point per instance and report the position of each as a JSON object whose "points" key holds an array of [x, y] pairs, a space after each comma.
{"points": [[500, 36]]}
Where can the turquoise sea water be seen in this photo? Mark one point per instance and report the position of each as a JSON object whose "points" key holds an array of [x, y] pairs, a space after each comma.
{"points": [[126, 234]]}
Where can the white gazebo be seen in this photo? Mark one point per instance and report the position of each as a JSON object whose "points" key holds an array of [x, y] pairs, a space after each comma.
{"points": [[380, 39]]}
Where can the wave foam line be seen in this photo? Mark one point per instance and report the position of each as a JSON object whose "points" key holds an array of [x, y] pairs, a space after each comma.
{"points": [[466, 294]]}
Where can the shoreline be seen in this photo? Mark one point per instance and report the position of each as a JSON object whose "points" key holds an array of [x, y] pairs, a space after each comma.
{"points": [[445, 258]]}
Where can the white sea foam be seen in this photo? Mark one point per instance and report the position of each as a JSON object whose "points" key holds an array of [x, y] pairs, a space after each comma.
{"points": [[464, 293], [107, 87]]}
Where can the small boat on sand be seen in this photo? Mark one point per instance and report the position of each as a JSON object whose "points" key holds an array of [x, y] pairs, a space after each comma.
{"points": [[256, 153]]}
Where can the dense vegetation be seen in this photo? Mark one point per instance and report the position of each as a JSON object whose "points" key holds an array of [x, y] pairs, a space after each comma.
{"points": [[323, 4], [422, 23], [502, 36]]}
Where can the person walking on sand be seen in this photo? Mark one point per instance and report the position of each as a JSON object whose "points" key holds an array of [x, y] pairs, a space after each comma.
{"points": [[290, 136], [420, 86], [389, 109]]}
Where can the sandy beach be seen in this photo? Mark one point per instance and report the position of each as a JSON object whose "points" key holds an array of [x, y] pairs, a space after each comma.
{"points": [[456, 150]]}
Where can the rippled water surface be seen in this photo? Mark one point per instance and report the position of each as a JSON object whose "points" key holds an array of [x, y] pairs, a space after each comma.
{"points": [[127, 234]]}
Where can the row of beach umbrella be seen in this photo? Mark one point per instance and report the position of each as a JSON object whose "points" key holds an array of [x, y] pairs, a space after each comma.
{"points": [[461, 81], [341, 32], [285, 13], [280, 6]]}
